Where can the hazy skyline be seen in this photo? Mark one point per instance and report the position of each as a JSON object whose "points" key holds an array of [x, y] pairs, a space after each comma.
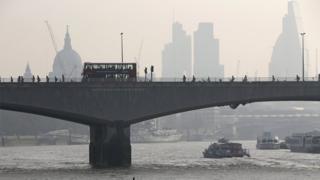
{"points": [[247, 30]]}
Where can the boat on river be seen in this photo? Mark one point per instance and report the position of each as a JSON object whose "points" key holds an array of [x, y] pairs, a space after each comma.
{"points": [[268, 141], [304, 142], [225, 149]]}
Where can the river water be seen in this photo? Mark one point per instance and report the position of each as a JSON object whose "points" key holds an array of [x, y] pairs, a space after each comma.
{"points": [[176, 161]]}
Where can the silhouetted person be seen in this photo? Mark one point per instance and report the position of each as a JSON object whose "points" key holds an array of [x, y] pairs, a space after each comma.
{"points": [[318, 77], [21, 79], [208, 79], [193, 79], [232, 78], [33, 78], [245, 79], [18, 80], [184, 78], [152, 69], [62, 78], [298, 78], [11, 79], [38, 79], [47, 79], [273, 79], [55, 79]]}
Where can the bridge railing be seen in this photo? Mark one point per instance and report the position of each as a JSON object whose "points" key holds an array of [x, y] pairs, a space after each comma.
{"points": [[143, 79], [227, 79], [36, 80]]}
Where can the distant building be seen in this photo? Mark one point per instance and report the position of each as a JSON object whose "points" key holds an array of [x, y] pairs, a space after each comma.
{"points": [[67, 61], [27, 75], [286, 57], [176, 56], [206, 53]]}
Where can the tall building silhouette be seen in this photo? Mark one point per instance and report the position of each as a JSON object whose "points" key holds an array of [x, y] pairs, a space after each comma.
{"points": [[176, 56], [286, 57], [67, 61], [206, 52]]}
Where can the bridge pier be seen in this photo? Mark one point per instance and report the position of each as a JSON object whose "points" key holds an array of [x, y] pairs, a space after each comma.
{"points": [[109, 146]]}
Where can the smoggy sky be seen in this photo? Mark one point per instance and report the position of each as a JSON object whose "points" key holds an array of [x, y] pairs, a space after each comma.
{"points": [[247, 30]]}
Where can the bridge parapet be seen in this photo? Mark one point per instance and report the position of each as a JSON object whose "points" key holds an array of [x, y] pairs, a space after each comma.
{"points": [[132, 102], [143, 79]]}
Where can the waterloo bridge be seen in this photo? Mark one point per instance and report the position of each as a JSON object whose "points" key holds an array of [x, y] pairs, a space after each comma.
{"points": [[109, 108]]}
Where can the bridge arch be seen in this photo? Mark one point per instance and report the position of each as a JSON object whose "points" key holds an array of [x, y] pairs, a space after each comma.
{"points": [[63, 115], [232, 104]]}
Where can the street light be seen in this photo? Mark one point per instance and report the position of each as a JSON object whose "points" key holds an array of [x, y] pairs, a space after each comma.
{"points": [[145, 73], [302, 37], [121, 34]]}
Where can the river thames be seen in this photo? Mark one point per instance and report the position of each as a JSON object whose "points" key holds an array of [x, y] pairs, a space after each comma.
{"points": [[176, 161]]}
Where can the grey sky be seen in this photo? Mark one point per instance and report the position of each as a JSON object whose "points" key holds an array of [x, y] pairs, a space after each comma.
{"points": [[247, 30]]}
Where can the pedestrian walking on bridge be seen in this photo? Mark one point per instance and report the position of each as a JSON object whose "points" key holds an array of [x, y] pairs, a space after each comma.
{"points": [[298, 78], [193, 79], [184, 78]]}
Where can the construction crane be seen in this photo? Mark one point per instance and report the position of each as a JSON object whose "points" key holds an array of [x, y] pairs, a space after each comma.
{"points": [[52, 37], [54, 43]]}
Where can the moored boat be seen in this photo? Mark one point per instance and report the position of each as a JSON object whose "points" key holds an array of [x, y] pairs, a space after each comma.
{"points": [[305, 142], [268, 141]]}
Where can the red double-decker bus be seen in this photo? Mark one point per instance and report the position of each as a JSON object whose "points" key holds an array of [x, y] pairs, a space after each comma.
{"points": [[109, 71]]}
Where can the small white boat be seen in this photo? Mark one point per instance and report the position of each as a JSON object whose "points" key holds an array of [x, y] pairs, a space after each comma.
{"points": [[268, 141]]}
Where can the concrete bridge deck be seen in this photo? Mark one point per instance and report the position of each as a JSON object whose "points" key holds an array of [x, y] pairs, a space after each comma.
{"points": [[109, 108]]}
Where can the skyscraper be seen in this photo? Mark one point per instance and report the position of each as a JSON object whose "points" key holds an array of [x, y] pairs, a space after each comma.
{"points": [[67, 61], [176, 56], [286, 57], [206, 52]]}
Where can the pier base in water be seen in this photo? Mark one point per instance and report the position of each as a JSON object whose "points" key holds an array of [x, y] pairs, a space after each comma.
{"points": [[109, 146]]}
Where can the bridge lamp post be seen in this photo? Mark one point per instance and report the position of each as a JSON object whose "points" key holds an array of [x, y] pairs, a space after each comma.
{"points": [[121, 34], [145, 73], [302, 42]]}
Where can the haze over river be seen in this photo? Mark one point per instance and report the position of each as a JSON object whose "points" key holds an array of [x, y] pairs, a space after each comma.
{"points": [[182, 160]]}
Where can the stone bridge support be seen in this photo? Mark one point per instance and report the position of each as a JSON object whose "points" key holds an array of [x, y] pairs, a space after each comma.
{"points": [[109, 146]]}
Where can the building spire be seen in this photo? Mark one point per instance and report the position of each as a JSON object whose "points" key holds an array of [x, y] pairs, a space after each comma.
{"points": [[28, 67], [27, 73], [67, 40]]}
